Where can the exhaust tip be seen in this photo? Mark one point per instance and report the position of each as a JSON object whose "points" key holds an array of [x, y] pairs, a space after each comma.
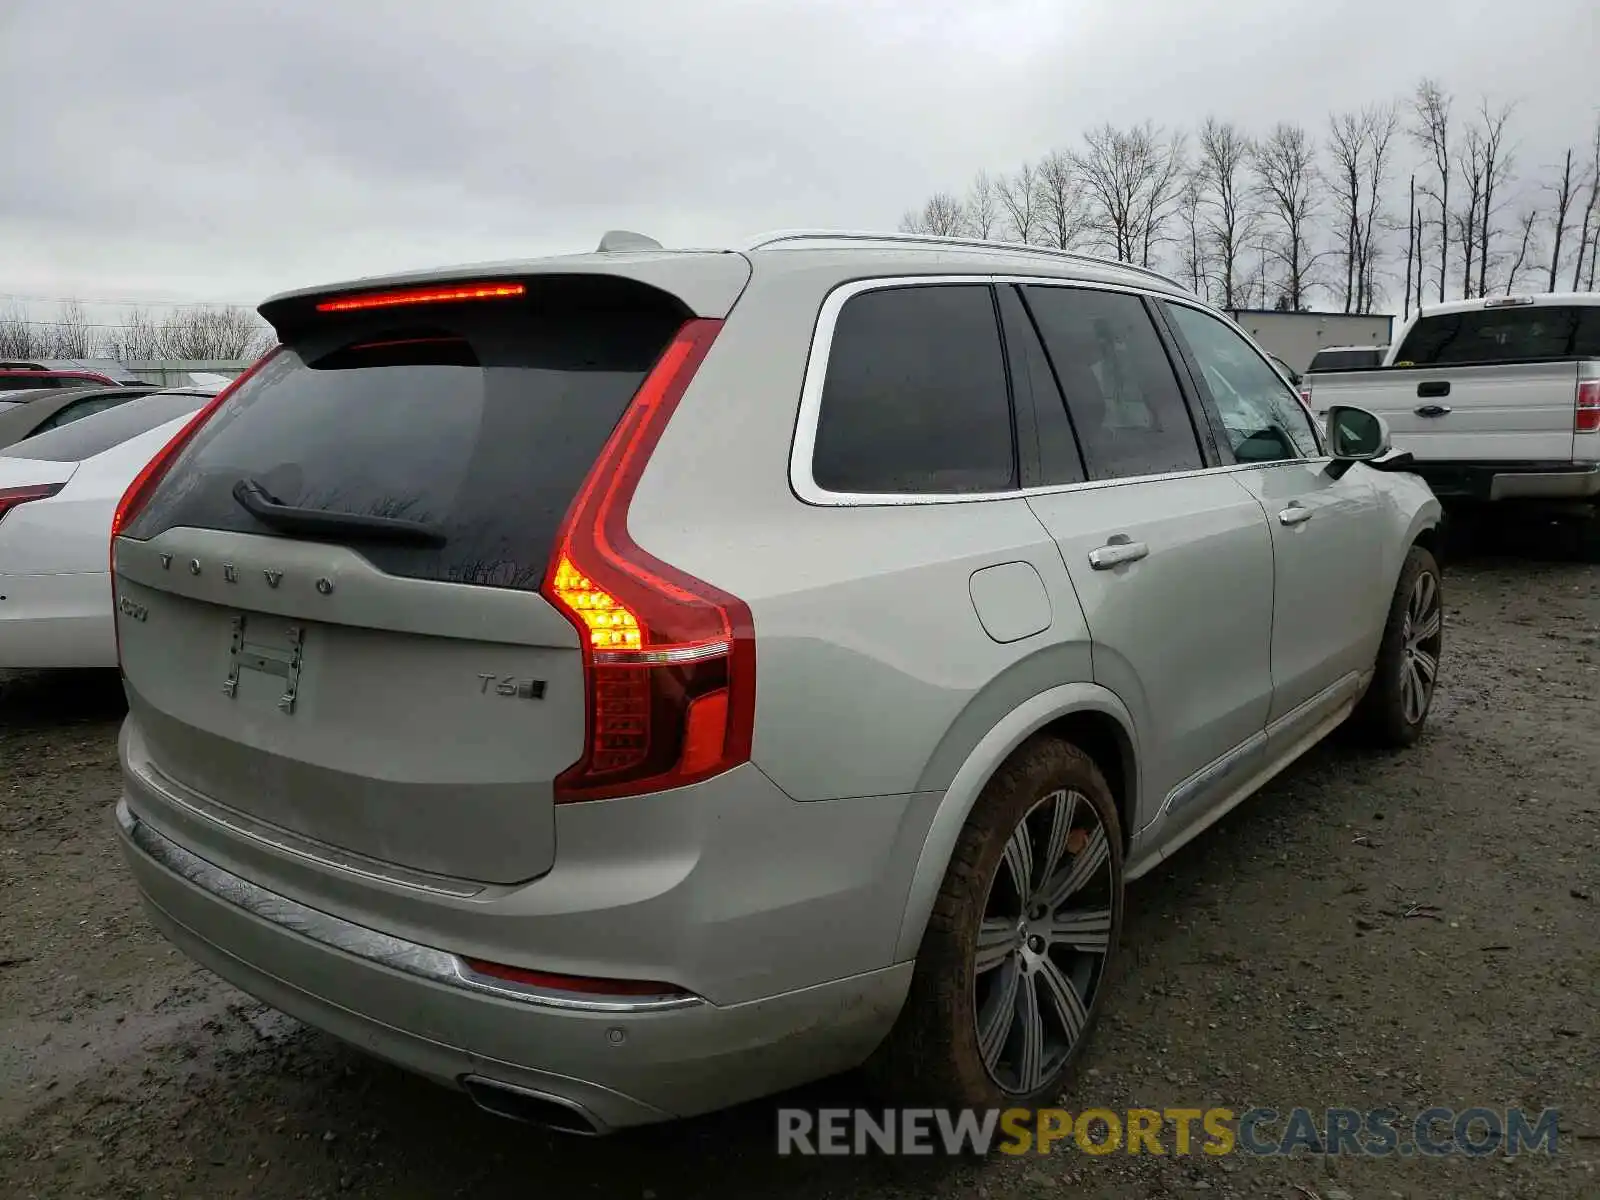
{"points": [[532, 1108]]}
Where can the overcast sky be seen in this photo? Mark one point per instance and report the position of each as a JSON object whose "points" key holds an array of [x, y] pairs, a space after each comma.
{"points": [[224, 149]]}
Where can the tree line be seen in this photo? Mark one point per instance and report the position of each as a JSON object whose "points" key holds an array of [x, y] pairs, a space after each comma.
{"points": [[187, 332], [1418, 199]]}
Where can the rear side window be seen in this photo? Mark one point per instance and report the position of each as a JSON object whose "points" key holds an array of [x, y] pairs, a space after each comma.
{"points": [[1531, 331], [79, 409], [99, 432], [1345, 360], [33, 382], [1126, 406], [915, 399], [480, 421]]}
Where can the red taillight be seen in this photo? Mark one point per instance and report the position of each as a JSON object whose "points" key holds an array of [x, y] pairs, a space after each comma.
{"points": [[144, 483], [450, 294], [572, 983], [12, 497], [1586, 416], [669, 660]]}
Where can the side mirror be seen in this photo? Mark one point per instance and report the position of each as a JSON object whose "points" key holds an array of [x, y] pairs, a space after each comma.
{"points": [[1356, 435]]}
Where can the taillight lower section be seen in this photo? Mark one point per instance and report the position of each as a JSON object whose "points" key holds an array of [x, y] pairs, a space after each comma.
{"points": [[11, 498], [578, 984], [669, 660], [1586, 415]]}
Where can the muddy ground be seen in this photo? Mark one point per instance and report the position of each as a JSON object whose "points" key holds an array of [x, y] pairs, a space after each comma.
{"points": [[1273, 963]]}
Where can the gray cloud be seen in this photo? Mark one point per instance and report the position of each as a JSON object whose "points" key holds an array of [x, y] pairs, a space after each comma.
{"points": [[190, 149]]}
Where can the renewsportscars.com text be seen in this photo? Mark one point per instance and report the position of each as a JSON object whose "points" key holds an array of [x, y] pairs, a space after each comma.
{"points": [[1433, 1132]]}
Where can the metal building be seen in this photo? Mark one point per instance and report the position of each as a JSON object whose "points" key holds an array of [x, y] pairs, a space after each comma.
{"points": [[1296, 336]]}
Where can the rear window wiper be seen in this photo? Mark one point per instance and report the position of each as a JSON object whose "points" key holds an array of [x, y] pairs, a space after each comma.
{"points": [[319, 522]]}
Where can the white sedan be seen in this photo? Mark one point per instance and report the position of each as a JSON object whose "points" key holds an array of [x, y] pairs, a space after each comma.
{"points": [[58, 491]]}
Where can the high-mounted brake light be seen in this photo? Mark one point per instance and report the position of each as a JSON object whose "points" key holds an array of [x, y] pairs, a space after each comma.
{"points": [[11, 498], [427, 295], [669, 660], [144, 483], [1586, 413]]}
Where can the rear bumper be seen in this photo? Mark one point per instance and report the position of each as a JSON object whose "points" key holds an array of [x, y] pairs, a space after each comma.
{"points": [[617, 1063], [1511, 481]]}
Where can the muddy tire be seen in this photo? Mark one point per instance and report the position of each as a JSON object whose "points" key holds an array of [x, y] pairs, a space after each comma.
{"points": [[1395, 708], [1013, 962]]}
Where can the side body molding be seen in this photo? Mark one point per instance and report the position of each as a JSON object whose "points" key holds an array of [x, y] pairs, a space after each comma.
{"points": [[993, 749]]}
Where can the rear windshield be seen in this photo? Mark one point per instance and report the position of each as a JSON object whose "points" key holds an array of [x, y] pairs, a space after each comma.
{"points": [[1335, 360], [1500, 334], [99, 432], [479, 421]]}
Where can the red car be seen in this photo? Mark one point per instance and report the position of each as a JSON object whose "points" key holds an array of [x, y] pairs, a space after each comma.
{"points": [[19, 376]]}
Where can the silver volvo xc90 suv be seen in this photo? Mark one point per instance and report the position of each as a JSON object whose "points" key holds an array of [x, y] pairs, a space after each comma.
{"points": [[626, 684]]}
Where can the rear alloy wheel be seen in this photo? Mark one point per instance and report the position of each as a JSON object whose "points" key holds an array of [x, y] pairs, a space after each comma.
{"points": [[1043, 942], [1016, 953], [1406, 673]]}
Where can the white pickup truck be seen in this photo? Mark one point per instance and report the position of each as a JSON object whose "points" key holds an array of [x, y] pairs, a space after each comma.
{"points": [[1495, 399]]}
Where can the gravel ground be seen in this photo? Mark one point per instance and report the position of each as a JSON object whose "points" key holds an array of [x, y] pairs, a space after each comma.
{"points": [[1273, 963]]}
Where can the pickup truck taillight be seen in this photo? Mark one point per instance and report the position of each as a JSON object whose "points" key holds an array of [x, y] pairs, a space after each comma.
{"points": [[1586, 416]]}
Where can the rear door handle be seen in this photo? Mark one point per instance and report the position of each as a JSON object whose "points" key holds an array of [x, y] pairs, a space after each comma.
{"points": [[1432, 388], [1114, 553], [1295, 514], [1434, 410]]}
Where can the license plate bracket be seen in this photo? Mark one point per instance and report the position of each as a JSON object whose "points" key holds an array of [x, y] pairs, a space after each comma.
{"points": [[267, 647]]}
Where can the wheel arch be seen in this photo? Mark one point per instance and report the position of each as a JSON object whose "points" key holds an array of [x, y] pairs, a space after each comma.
{"points": [[1086, 714]]}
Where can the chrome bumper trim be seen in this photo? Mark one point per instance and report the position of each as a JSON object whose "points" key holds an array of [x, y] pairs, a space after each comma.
{"points": [[423, 962]]}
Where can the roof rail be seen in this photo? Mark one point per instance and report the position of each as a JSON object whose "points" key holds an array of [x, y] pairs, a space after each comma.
{"points": [[928, 239]]}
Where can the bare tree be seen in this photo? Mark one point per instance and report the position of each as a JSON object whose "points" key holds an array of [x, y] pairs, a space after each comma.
{"points": [[211, 333], [1382, 123], [1565, 189], [1589, 213], [1526, 223], [21, 338], [1132, 181], [1231, 213], [1287, 184], [137, 339], [1018, 195], [1060, 202], [71, 334], [1497, 163], [1411, 245], [942, 215], [1465, 222], [1431, 131], [1196, 265], [983, 209]]}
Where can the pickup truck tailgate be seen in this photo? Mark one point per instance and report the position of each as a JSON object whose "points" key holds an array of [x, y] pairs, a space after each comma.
{"points": [[1492, 413]]}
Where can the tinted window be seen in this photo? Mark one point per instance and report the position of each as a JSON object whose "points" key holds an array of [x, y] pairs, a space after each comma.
{"points": [[79, 409], [1264, 420], [1487, 335], [98, 433], [31, 382], [480, 421], [915, 398], [1126, 407], [1344, 360], [1053, 453]]}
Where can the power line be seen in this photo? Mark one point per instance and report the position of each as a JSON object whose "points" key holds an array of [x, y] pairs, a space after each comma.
{"points": [[37, 299]]}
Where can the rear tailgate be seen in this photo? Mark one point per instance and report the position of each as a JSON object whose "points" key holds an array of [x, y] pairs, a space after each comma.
{"points": [[1510, 412], [408, 699]]}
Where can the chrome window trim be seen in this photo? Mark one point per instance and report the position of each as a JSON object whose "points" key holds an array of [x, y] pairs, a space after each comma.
{"points": [[370, 945], [803, 449]]}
